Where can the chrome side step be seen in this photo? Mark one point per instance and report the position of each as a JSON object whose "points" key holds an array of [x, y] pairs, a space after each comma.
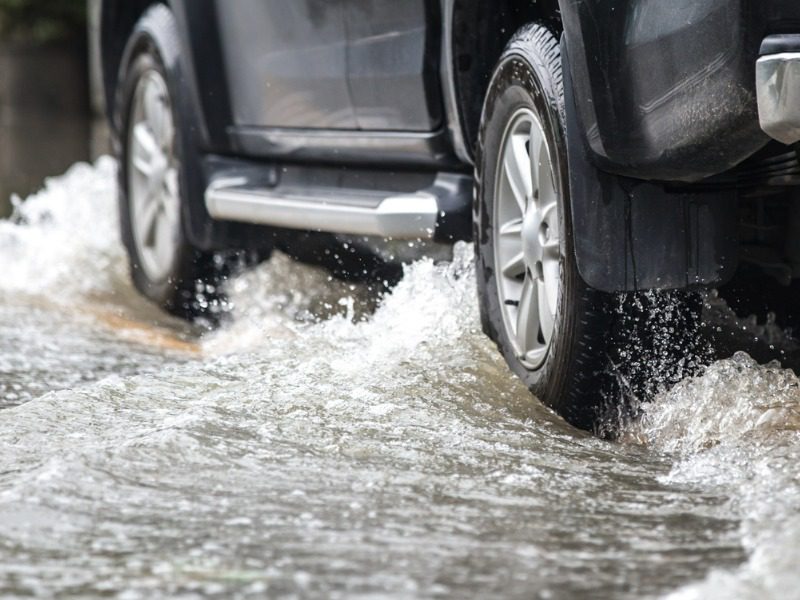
{"points": [[356, 212]]}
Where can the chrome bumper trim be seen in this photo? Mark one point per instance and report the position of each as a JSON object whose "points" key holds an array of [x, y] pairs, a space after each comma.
{"points": [[778, 93]]}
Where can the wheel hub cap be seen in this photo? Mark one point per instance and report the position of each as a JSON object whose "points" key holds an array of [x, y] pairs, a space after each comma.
{"points": [[532, 226]]}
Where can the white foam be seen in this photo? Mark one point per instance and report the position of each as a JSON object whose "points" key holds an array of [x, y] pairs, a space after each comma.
{"points": [[64, 239], [736, 429]]}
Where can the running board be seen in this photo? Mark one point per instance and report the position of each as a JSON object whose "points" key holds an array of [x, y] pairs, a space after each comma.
{"points": [[404, 215]]}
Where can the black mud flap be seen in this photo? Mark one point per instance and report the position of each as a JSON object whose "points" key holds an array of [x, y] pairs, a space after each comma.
{"points": [[633, 235]]}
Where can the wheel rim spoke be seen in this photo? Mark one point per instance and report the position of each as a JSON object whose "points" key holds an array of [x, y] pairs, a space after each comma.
{"points": [[142, 166], [552, 280], [536, 355], [171, 195], [512, 228], [528, 316], [546, 312], [148, 217], [154, 112], [163, 240], [167, 130], [145, 147], [516, 167], [515, 267], [171, 182]]}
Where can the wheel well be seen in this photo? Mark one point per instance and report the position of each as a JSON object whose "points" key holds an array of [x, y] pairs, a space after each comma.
{"points": [[476, 49], [118, 18]]}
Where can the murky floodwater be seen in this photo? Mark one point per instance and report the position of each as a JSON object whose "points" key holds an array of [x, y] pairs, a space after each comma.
{"points": [[308, 451]]}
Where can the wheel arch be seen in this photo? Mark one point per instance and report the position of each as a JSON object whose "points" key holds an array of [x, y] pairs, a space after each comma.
{"points": [[472, 56], [117, 21], [166, 31]]}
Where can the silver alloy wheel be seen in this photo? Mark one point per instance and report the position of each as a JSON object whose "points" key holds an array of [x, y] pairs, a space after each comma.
{"points": [[154, 196], [527, 238]]}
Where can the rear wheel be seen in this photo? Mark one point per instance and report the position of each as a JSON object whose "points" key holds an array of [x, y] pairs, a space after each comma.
{"points": [[571, 344], [158, 171]]}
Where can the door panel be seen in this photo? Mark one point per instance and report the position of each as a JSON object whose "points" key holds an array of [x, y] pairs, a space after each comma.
{"points": [[286, 63], [393, 60]]}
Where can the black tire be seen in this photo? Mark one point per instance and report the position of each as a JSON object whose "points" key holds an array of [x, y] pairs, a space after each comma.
{"points": [[190, 287], [588, 374]]}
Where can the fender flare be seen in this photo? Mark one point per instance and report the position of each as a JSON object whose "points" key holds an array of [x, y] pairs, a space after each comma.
{"points": [[632, 235]]}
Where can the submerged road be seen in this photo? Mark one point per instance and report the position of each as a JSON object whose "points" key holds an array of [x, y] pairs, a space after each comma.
{"points": [[315, 447]]}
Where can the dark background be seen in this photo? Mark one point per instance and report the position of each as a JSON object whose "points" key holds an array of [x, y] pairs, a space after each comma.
{"points": [[48, 120]]}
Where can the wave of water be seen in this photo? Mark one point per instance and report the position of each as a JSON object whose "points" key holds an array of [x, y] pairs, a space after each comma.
{"points": [[315, 448], [64, 240], [736, 429]]}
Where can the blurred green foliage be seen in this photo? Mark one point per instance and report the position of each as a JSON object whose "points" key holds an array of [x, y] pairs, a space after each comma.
{"points": [[42, 21]]}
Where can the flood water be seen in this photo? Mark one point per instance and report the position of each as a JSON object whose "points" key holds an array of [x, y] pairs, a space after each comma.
{"points": [[315, 449]]}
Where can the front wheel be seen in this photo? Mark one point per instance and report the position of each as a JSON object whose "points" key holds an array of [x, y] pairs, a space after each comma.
{"points": [[568, 342]]}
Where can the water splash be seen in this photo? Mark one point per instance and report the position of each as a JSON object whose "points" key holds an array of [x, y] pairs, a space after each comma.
{"points": [[736, 428], [64, 239], [319, 445]]}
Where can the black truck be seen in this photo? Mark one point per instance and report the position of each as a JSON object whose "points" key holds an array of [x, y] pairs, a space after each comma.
{"points": [[593, 151]]}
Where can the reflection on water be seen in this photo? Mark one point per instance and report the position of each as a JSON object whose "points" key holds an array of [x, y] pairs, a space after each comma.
{"points": [[305, 451]]}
